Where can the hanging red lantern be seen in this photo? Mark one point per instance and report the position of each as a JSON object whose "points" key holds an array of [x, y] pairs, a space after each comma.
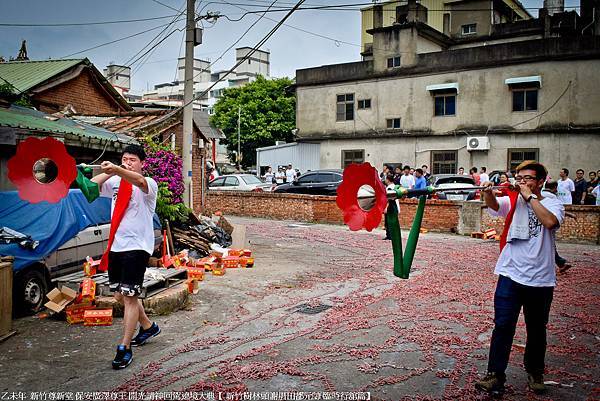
{"points": [[42, 170], [355, 217]]}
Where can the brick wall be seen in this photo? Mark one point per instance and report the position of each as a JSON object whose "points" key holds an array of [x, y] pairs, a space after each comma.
{"points": [[82, 92], [586, 228], [440, 216]]}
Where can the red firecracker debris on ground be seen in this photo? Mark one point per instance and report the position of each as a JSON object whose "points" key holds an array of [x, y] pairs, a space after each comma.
{"points": [[422, 338]]}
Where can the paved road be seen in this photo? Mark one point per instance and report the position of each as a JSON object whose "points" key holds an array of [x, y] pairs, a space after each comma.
{"points": [[322, 312]]}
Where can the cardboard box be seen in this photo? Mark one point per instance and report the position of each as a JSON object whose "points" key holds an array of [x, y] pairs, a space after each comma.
{"points": [[75, 312], [218, 270], [234, 252], [196, 273], [98, 317], [88, 290], [90, 266], [231, 262], [246, 262], [193, 286], [60, 298]]}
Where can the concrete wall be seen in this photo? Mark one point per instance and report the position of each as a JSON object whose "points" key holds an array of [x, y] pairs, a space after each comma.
{"points": [[483, 100], [440, 216], [463, 14]]}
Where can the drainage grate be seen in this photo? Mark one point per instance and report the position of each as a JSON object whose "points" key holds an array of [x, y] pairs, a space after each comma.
{"points": [[311, 310]]}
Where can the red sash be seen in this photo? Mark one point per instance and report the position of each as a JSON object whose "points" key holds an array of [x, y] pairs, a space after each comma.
{"points": [[513, 196], [121, 204]]}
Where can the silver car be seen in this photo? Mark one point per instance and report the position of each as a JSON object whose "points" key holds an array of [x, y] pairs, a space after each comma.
{"points": [[239, 182]]}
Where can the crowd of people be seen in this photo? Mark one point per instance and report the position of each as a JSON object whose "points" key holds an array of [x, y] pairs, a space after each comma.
{"points": [[282, 175], [570, 192]]}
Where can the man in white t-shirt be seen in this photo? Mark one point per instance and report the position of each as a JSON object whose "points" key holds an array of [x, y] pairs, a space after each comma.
{"points": [[565, 187], [407, 180], [484, 177], [279, 176], [526, 276], [131, 245], [290, 174]]}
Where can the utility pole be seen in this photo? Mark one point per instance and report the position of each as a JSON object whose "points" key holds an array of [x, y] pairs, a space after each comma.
{"points": [[188, 110], [239, 155]]}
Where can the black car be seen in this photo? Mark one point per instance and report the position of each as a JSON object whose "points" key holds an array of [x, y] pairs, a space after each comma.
{"points": [[317, 182], [449, 181]]}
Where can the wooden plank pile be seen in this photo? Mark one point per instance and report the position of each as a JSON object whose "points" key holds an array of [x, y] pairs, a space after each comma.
{"points": [[193, 239]]}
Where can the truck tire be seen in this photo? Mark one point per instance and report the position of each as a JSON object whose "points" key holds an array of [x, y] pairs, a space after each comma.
{"points": [[30, 290]]}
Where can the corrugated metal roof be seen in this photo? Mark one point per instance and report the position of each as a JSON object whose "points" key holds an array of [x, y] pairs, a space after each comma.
{"points": [[28, 119], [24, 75]]}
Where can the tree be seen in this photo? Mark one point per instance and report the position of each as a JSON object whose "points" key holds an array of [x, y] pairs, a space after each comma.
{"points": [[268, 114]]}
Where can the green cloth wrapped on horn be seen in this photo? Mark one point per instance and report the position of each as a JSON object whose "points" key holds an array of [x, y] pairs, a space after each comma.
{"points": [[90, 189]]}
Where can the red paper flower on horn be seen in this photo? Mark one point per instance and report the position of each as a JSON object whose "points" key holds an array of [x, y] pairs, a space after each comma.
{"points": [[355, 176], [20, 170]]}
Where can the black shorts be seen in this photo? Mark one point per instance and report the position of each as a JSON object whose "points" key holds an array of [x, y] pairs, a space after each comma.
{"points": [[126, 271]]}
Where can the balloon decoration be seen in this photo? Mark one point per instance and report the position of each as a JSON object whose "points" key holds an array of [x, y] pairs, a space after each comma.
{"points": [[42, 170]]}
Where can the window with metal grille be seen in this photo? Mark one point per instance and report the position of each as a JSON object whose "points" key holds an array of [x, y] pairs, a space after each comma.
{"points": [[443, 162], [393, 123], [393, 62], [364, 104], [345, 107], [445, 105], [525, 99], [518, 156], [352, 156]]}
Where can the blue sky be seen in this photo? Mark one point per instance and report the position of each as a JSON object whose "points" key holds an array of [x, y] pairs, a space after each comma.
{"points": [[290, 48]]}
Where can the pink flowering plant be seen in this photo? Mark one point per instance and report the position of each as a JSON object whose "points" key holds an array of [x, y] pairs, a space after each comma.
{"points": [[165, 166]]}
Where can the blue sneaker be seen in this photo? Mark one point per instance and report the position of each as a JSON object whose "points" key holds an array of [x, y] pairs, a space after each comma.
{"points": [[123, 358], [144, 335]]}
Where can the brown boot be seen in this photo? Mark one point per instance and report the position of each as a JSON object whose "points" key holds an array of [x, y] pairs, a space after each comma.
{"points": [[492, 383], [536, 383]]}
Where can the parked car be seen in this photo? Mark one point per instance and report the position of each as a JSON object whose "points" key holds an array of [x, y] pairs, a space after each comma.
{"points": [[449, 181], [316, 182], [34, 277], [239, 182]]}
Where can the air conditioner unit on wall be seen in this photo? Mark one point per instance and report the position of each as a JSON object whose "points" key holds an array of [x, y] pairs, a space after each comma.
{"points": [[478, 143]]}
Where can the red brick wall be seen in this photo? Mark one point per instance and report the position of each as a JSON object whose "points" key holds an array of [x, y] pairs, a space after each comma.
{"points": [[585, 229], [81, 92], [441, 216]]}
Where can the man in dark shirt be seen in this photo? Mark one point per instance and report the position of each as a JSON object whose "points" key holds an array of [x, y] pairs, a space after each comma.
{"points": [[580, 188]]}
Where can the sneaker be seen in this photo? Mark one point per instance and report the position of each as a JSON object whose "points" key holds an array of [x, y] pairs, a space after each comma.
{"points": [[492, 384], [144, 335], [536, 383], [123, 358]]}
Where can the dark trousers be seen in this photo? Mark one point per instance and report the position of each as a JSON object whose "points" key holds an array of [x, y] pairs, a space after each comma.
{"points": [[508, 300]]}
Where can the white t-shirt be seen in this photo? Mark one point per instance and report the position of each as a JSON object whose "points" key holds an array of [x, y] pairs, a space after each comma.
{"points": [[565, 187], [269, 177], [530, 262], [483, 177], [136, 231], [279, 177], [407, 181], [596, 191], [290, 174]]}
